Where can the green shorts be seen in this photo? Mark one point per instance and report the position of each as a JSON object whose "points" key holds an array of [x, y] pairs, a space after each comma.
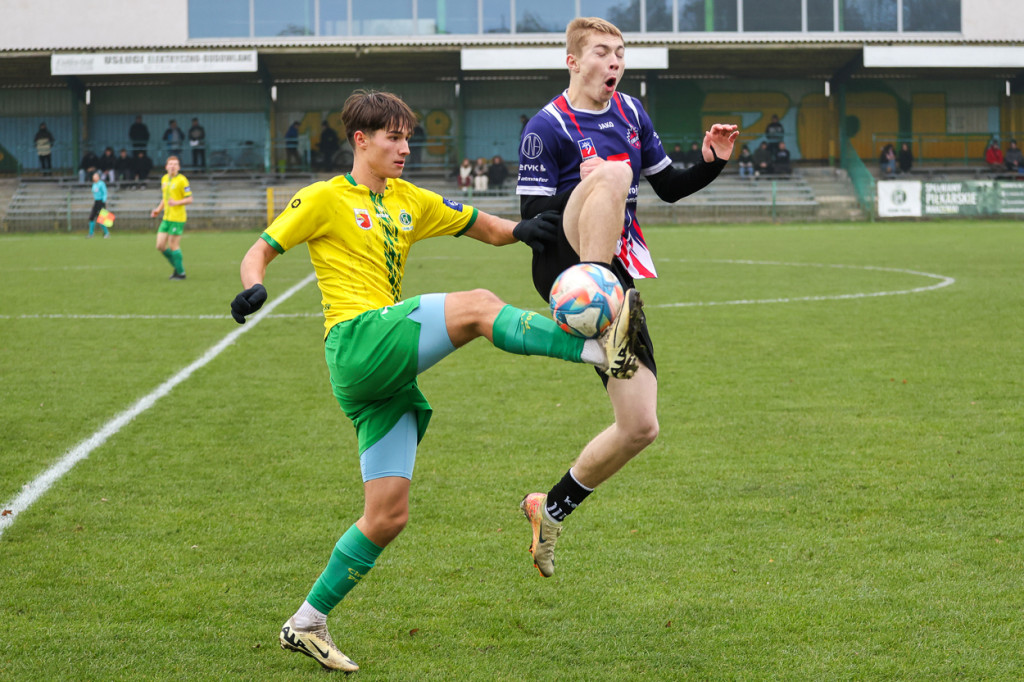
{"points": [[171, 227], [372, 359]]}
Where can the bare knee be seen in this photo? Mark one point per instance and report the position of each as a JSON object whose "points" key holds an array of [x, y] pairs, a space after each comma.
{"points": [[641, 432], [469, 314], [614, 177], [385, 525]]}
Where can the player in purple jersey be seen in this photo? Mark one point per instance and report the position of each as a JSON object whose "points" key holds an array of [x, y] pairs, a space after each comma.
{"points": [[583, 155]]}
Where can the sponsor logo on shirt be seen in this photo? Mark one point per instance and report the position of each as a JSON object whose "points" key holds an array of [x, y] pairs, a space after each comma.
{"points": [[532, 146], [587, 149], [363, 218], [533, 167], [606, 124], [454, 205], [633, 137], [405, 219]]}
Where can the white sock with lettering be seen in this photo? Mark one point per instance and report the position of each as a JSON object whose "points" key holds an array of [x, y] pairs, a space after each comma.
{"points": [[308, 618]]}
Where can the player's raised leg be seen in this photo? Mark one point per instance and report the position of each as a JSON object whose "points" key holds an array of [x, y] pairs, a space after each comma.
{"points": [[592, 220]]}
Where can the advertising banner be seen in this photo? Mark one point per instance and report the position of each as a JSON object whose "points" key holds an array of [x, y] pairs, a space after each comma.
{"points": [[899, 198], [912, 198], [196, 61]]}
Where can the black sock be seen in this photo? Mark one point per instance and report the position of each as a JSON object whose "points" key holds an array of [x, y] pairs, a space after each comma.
{"points": [[565, 497]]}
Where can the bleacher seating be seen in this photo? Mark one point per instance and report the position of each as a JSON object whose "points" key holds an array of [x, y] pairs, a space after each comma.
{"points": [[241, 202]]}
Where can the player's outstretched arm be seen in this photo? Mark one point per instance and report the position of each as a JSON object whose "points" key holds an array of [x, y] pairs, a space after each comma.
{"points": [[538, 231], [252, 271]]}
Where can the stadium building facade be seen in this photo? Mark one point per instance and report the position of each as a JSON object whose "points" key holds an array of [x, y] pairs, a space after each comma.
{"points": [[842, 75]]}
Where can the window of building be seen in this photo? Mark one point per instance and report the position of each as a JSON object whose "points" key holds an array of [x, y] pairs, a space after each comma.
{"points": [[450, 17], [224, 19], [274, 18], [772, 15], [821, 15], [868, 15], [334, 18], [268, 18], [625, 14], [931, 15], [543, 16], [497, 16], [382, 18]]}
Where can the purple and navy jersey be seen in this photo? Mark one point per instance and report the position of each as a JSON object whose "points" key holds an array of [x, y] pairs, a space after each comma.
{"points": [[559, 138]]}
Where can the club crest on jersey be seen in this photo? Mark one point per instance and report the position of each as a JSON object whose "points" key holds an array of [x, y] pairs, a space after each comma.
{"points": [[405, 219], [587, 149], [633, 137], [363, 218], [453, 205]]}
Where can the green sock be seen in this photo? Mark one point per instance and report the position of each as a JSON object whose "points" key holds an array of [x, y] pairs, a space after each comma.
{"points": [[176, 262], [170, 259], [524, 332], [351, 560]]}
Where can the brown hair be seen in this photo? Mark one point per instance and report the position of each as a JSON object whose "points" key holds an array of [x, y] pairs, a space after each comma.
{"points": [[579, 28], [372, 110]]}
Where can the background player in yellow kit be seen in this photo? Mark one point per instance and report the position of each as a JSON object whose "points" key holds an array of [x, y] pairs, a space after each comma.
{"points": [[359, 228], [176, 196]]}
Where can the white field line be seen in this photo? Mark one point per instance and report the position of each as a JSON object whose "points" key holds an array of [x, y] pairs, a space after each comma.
{"points": [[944, 281], [34, 490]]}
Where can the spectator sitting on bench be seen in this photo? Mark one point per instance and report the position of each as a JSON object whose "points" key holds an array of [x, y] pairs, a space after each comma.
{"points": [[782, 166], [887, 161], [89, 165], [497, 173], [994, 156], [763, 160], [123, 166], [905, 158], [1014, 158]]}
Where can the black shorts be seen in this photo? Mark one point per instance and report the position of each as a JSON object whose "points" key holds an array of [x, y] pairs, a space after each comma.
{"points": [[97, 206], [547, 266]]}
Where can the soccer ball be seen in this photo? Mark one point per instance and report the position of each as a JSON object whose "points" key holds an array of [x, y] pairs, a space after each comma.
{"points": [[585, 299]]}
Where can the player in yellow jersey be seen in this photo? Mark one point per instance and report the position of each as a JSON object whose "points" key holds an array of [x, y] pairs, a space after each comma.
{"points": [[359, 228], [176, 195]]}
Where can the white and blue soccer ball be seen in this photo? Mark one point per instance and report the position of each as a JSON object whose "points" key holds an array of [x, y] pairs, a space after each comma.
{"points": [[585, 299]]}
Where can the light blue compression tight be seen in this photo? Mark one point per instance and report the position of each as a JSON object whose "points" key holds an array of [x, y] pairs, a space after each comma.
{"points": [[395, 453]]}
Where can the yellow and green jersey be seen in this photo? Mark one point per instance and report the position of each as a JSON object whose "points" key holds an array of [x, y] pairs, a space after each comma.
{"points": [[174, 188], [358, 241]]}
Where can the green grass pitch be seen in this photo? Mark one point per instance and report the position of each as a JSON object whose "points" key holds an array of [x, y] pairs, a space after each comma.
{"points": [[836, 493]]}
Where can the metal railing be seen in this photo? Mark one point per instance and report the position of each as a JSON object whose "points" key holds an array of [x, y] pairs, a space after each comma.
{"points": [[964, 149]]}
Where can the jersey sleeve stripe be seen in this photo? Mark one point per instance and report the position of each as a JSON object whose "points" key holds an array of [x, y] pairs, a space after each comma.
{"points": [[270, 240], [469, 224], [658, 167]]}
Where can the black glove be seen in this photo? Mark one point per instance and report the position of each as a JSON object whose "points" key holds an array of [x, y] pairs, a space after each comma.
{"points": [[248, 302], [539, 231]]}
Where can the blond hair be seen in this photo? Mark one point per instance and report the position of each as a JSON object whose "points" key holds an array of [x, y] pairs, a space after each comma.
{"points": [[580, 28]]}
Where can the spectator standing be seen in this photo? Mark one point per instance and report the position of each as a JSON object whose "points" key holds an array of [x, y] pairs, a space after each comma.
{"points": [[480, 175], [763, 160], [89, 164], [106, 164], [782, 161], [99, 196], [1014, 158], [174, 138], [465, 175], [746, 162], [994, 156], [887, 161], [141, 166], [692, 156], [497, 173], [329, 145], [774, 134], [123, 166], [197, 141], [138, 133], [44, 148], [905, 158], [291, 145]]}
